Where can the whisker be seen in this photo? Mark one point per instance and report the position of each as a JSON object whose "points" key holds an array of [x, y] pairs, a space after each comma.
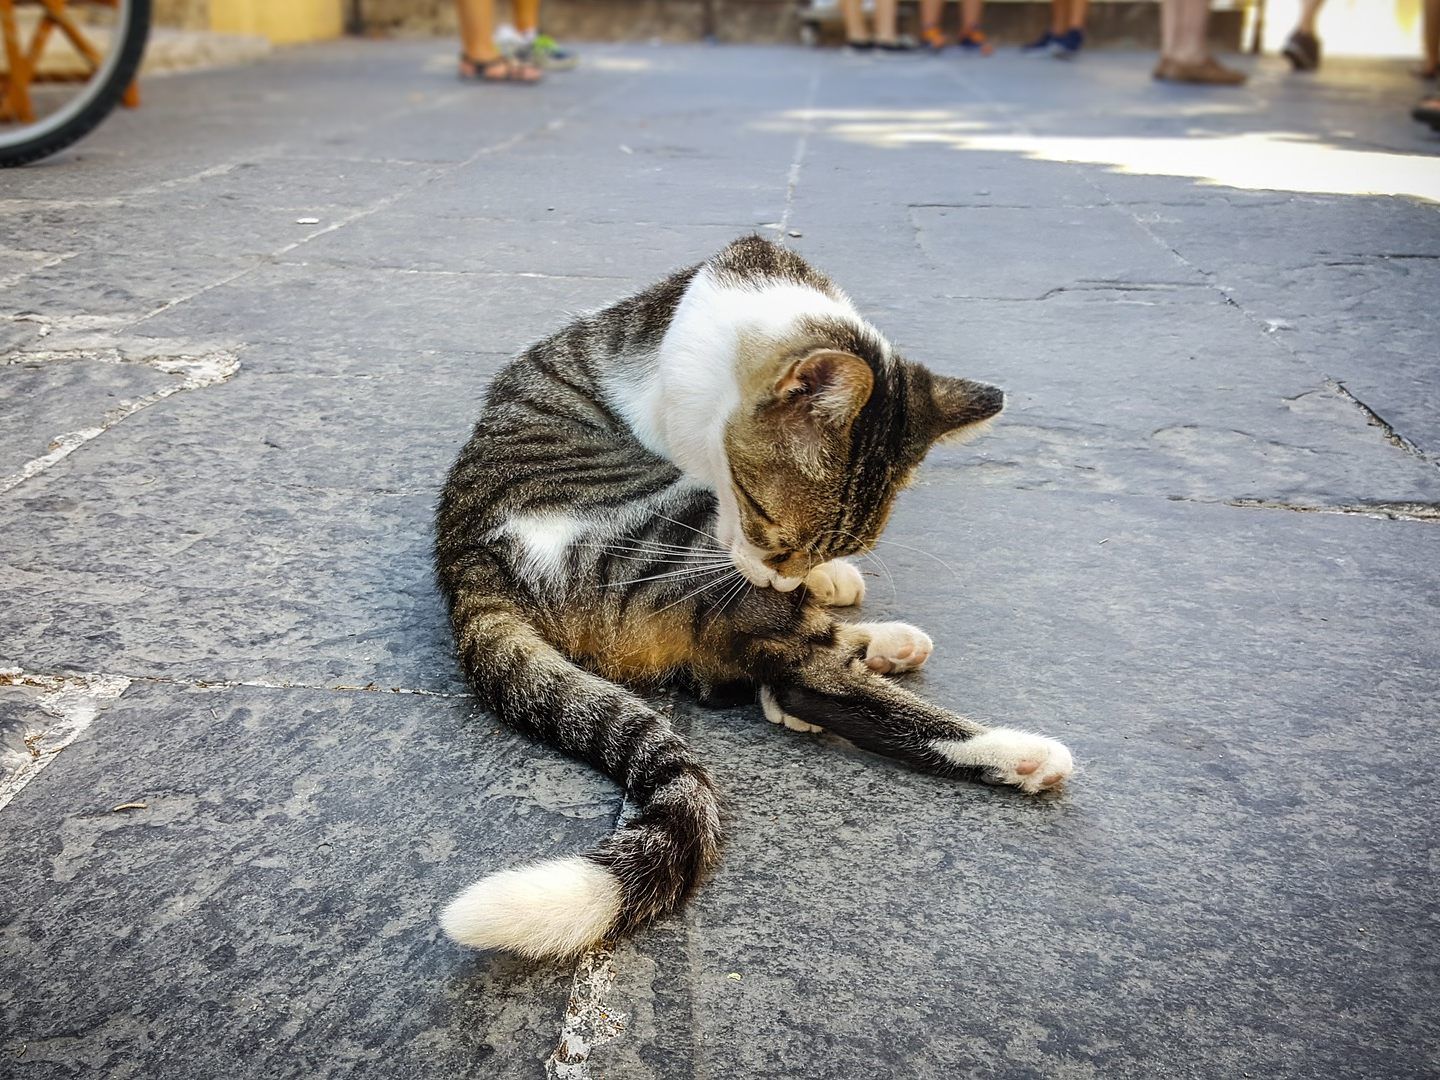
{"points": [[692, 528], [697, 592], [869, 552], [693, 571], [922, 551]]}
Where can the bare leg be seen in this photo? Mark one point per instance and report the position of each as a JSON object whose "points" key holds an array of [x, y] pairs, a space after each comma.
{"points": [[1078, 10], [931, 12], [1430, 31], [1191, 19], [527, 15], [1309, 9], [885, 20], [854, 20], [477, 28], [971, 12]]}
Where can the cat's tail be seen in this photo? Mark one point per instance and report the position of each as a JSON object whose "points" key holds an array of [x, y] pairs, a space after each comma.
{"points": [[656, 856]]}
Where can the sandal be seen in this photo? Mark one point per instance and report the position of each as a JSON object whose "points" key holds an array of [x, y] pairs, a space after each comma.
{"points": [[1428, 112], [498, 69]]}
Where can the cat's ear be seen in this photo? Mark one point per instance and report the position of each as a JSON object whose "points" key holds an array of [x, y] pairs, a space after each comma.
{"points": [[958, 408], [829, 386]]}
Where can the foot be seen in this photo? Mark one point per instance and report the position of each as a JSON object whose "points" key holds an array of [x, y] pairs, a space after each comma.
{"points": [[548, 54], [1208, 72], [893, 648], [933, 38], [1067, 46], [498, 69], [836, 584], [1303, 51], [903, 43], [1031, 763], [1428, 111], [777, 715], [1041, 45], [974, 40]]}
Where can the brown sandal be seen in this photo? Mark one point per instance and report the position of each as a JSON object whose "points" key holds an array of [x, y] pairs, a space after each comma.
{"points": [[498, 69]]}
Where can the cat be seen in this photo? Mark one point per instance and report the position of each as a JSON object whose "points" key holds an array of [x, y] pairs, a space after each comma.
{"points": [[666, 491]]}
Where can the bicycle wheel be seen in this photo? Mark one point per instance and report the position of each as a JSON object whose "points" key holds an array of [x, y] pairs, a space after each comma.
{"points": [[82, 56]]}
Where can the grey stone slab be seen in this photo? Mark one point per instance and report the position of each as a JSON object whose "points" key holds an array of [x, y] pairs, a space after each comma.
{"points": [[206, 578], [269, 908], [1029, 252], [653, 181], [393, 434], [40, 401], [323, 318], [1233, 884], [1187, 398], [420, 242], [117, 288]]}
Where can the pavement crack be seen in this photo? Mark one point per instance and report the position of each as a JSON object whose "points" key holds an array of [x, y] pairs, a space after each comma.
{"points": [[193, 373], [1375, 419], [71, 701], [802, 145], [1391, 511], [588, 1021]]}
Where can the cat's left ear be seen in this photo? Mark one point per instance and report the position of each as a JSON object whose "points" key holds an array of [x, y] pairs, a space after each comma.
{"points": [[957, 408], [827, 385]]}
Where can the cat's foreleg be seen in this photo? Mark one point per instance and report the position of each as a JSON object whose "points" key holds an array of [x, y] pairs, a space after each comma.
{"points": [[836, 583], [841, 694]]}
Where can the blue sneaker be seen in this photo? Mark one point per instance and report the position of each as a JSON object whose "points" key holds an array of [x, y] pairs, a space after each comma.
{"points": [[1040, 46], [1067, 45]]}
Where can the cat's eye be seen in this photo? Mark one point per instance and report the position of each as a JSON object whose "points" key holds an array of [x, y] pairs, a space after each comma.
{"points": [[754, 505]]}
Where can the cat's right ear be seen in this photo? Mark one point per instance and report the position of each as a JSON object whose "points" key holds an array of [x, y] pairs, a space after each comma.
{"points": [[828, 386]]}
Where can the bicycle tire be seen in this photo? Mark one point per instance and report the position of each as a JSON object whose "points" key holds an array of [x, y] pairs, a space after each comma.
{"points": [[93, 104]]}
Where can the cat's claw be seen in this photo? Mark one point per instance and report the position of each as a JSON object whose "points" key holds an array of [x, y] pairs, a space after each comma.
{"points": [[1032, 763], [777, 715], [836, 584], [896, 647]]}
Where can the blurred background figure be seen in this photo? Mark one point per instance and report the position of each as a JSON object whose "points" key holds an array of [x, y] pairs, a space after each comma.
{"points": [[971, 39], [884, 35], [1430, 33], [480, 57], [1185, 48], [1066, 33], [1302, 47]]}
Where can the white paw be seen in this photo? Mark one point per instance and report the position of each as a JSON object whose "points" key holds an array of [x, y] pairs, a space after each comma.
{"points": [[836, 584], [777, 715], [1030, 762], [895, 647]]}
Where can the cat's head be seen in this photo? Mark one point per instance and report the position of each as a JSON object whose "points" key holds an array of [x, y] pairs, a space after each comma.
{"points": [[830, 427]]}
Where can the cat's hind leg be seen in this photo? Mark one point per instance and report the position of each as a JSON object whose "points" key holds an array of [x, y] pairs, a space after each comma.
{"points": [[890, 648], [837, 691]]}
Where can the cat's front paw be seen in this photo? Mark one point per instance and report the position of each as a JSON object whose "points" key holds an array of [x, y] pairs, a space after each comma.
{"points": [[777, 715], [836, 584], [895, 647], [1032, 763]]}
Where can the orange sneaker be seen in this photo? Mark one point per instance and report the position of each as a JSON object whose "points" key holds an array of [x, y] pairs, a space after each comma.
{"points": [[974, 40], [933, 38]]}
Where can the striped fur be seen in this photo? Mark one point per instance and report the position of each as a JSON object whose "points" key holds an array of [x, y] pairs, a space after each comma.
{"points": [[642, 497]]}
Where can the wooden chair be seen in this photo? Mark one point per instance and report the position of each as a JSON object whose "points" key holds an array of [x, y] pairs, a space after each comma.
{"points": [[23, 59]]}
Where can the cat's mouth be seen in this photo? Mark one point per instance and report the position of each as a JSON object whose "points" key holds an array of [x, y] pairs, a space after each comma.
{"points": [[754, 566]]}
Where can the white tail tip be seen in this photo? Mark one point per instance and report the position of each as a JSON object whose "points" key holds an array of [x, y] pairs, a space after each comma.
{"points": [[549, 909]]}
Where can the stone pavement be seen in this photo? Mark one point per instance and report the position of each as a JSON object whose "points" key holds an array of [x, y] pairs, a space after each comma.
{"points": [[1203, 548]]}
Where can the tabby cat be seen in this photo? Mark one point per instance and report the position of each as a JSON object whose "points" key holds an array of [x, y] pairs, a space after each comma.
{"points": [[666, 491]]}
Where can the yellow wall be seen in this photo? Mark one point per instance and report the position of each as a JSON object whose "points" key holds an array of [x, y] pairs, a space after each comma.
{"points": [[279, 20]]}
